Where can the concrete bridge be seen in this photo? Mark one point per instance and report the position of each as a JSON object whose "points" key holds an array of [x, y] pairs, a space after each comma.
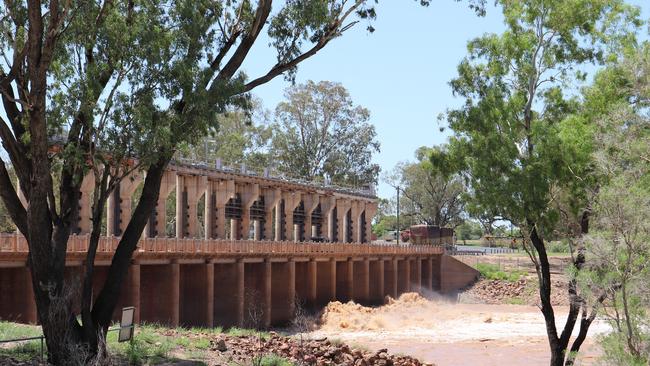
{"points": [[256, 253]]}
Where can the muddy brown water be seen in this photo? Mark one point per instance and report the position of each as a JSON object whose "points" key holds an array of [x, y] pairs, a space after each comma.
{"points": [[449, 334]]}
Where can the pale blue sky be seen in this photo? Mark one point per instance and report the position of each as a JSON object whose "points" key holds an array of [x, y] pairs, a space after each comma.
{"points": [[400, 72]]}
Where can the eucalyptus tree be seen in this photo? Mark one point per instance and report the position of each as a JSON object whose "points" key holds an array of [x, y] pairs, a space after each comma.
{"points": [[88, 85], [507, 135], [619, 241], [427, 194], [319, 132]]}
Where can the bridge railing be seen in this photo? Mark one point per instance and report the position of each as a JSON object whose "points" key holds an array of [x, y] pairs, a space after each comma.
{"points": [[16, 243]]}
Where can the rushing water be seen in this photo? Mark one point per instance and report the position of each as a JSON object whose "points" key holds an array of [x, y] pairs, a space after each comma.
{"points": [[445, 333]]}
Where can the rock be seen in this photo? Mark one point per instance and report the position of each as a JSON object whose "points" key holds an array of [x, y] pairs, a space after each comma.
{"points": [[220, 345]]}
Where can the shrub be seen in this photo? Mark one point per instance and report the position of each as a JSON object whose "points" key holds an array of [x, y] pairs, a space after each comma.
{"points": [[274, 360], [558, 247], [492, 272]]}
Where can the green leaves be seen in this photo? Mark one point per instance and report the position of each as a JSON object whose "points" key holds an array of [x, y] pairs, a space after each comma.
{"points": [[319, 132], [514, 138]]}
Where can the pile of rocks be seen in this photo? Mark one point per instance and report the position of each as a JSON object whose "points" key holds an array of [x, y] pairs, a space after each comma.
{"points": [[496, 291], [308, 352], [525, 291]]}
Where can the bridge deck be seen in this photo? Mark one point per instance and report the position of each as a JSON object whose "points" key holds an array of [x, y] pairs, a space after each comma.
{"points": [[14, 247]]}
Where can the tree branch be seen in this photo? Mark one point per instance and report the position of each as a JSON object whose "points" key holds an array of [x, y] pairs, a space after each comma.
{"points": [[12, 202]]}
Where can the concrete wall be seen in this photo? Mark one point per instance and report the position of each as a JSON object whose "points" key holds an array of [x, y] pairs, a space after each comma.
{"points": [[17, 299], [403, 276], [326, 282], [344, 280], [391, 273], [228, 294], [436, 274], [159, 294], [455, 275], [196, 289], [361, 281], [252, 292], [257, 285], [376, 283], [283, 294], [302, 284], [415, 274]]}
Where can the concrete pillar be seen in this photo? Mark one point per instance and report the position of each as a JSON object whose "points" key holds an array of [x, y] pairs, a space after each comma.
{"points": [[224, 191], [291, 288], [112, 213], [85, 203], [209, 282], [249, 193], [429, 271], [312, 284], [350, 277], [240, 292], [267, 233], [189, 190], [370, 210], [418, 275], [272, 197], [356, 209], [257, 230], [134, 290], [395, 273], [278, 223], [158, 219], [291, 201], [209, 211], [333, 278], [181, 207], [327, 204], [268, 301], [342, 208], [365, 280], [175, 294], [235, 229], [119, 204], [310, 201]]}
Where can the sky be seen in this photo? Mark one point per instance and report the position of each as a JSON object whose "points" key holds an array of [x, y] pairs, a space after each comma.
{"points": [[400, 72]]}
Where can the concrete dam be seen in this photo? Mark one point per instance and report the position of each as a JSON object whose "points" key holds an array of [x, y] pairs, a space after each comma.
{"points": [[260, 248]]}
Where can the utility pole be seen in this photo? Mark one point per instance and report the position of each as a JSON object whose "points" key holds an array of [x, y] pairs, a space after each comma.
{"points": [[398, 231]]}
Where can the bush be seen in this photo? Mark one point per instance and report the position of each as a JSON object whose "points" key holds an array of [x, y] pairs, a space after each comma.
{"points": [[493, 272], [274, 360], [558, 247]]}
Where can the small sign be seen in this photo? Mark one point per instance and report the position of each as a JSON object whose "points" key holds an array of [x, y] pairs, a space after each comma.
{"points": [[126, 324]]}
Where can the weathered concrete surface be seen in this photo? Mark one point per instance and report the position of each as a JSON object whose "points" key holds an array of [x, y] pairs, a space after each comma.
{"points": [[455, 275], [250, 291]]}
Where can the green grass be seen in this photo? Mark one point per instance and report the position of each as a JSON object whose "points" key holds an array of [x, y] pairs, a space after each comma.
{"points": [[516, 301], [492, 272], [22, 351], [273, 360], [152, 343], [243, 332]]}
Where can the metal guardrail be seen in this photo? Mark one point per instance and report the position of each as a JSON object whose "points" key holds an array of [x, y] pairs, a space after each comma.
{"points": [[480, 251], [42, 339], [16, 243]]}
